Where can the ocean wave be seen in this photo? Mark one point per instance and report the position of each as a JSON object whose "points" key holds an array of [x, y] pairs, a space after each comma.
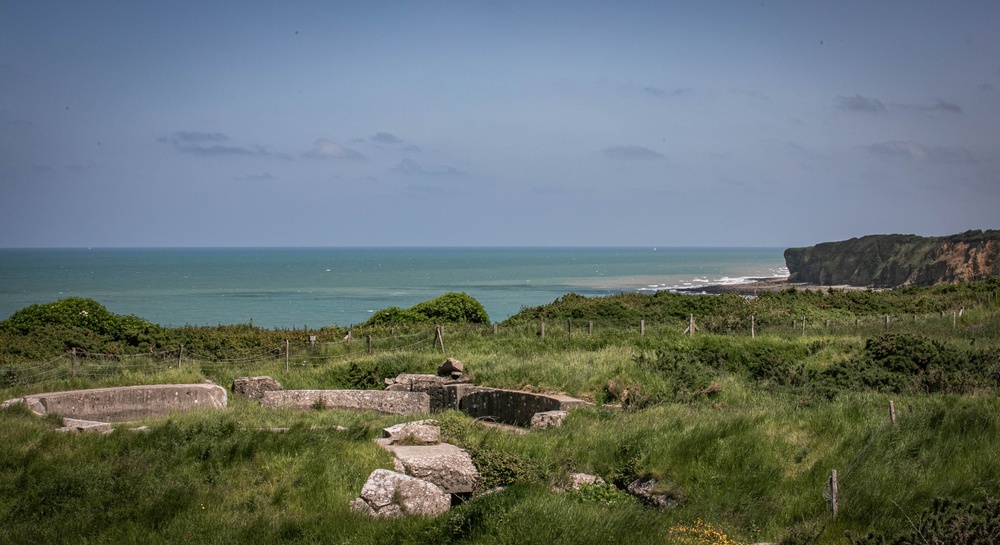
{"points": [[702, 282]]}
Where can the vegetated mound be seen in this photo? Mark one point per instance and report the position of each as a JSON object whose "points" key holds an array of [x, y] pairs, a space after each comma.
{"points": [[451, 307], [887, 261]]}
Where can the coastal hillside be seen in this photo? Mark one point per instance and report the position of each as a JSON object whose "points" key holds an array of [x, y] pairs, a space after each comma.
{"points": [[886, 261]]}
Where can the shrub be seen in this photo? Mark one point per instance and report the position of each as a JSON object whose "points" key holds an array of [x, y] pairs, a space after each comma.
{"points": [[80, 313], [947, 521], [501, 468], [452, 308], [603, 493]]}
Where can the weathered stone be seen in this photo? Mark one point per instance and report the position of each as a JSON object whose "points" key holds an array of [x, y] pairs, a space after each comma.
{"points": [[451, 368], [421, 432], [33, 404], [431, 385], [576, 480], [645, 490], [443, 464], [73, 425], [254, 387], [388, 494], [359, 400], [128, 403], [434, 386], [548, 419]]}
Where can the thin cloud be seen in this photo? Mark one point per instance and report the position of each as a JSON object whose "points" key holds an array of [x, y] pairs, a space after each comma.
{"points": [[858, 103], [663, 93], [751, 94], [326, 149], [936, 106], [430, 191], [631, 152], [410, 167], [912, 151], [263, 177], [386, 138], [213, 144], [195, 136]]}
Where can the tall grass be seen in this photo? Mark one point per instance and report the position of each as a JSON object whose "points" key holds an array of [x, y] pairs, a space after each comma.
{"points": [[738, 430]]}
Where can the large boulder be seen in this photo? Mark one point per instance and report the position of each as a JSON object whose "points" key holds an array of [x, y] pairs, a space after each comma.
{"points": [[445, 465], [388, 494], [254, 387], [451, 368]]}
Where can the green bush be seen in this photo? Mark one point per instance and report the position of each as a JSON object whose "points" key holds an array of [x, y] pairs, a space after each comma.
{"points": [[70, 312], [602, 493], [947, 521], [451, 308]]}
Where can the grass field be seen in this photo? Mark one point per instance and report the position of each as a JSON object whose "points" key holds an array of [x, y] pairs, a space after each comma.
{"points": [[742, 431]]}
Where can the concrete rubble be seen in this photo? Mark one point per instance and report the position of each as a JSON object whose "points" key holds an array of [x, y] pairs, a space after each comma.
{"points": [[388, 494], [548, 419], [254, 387], [443, 464]]}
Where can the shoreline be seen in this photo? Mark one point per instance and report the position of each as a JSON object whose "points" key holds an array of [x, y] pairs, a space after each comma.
{"points": [[756, 285]]}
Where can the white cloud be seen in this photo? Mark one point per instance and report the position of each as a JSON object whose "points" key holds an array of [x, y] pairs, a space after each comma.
{"points": [[326, 149], [858, 103], [910, 150]]}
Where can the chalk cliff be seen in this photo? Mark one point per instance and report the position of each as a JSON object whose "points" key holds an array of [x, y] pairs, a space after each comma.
{"points": [[886, 261]]}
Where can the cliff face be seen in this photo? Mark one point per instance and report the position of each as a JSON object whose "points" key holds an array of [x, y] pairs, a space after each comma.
{"points": [[886, 261]]}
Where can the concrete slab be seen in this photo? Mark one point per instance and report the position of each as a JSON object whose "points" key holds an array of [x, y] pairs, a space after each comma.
{"points": [[128, 403], [383, 401]]}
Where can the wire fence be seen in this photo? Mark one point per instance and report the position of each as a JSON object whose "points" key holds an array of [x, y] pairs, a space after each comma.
{"points": [[563, 332]]}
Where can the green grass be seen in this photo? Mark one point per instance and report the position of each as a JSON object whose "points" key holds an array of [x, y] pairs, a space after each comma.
{"points": [[743, 431]]}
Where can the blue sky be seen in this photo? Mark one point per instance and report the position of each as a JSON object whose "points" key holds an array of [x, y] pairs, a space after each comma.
{"points": [[495, 123]]}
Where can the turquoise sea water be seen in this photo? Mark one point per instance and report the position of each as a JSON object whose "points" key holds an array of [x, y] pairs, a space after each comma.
{"points": [[285, 287]]}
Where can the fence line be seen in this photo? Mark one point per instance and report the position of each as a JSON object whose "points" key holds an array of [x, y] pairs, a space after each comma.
{"points": [[560, 330], [833, 489]]}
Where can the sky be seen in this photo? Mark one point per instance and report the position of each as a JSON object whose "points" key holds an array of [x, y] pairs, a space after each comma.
{"points": [[469, 123]]}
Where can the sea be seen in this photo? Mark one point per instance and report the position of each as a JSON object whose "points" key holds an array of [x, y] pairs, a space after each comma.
{"points": [[316, 287]]}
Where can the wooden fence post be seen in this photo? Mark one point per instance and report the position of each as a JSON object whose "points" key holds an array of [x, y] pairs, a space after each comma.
{"points": [[803, 325], [753, 332], [440, 336], [832, 487], [691, 327], [642, 328], [286, 355], [886, 321], [494, 329], [569, 329], [892, 412], [370, 344], [543, 330], [180, 355], [590, 326], [73, 361]]}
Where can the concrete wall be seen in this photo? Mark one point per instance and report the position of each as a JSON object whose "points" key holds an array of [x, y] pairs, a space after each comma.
{"points": [[510, 406], [128, 403], [360, 400]]}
